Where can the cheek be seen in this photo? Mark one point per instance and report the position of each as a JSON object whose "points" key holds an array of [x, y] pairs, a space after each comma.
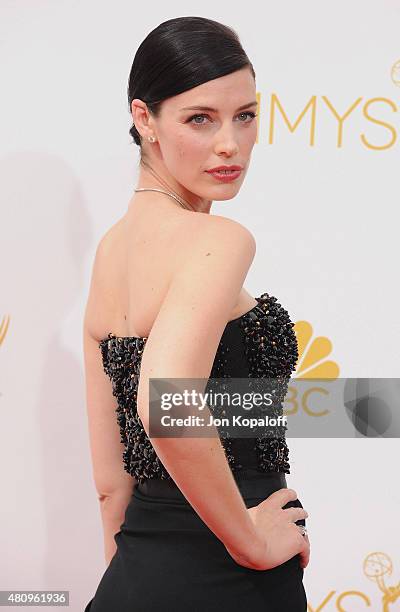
{"points": [[190, 146], [248, 139], [184, 155]]}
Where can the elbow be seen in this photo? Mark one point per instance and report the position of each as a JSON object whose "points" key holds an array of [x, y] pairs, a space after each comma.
{"points": [[102, 497], [120, 487], [114, 503], [104, 501]]}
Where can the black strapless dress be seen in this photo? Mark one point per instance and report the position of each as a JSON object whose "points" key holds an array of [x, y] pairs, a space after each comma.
{"points": [[167, 558]]}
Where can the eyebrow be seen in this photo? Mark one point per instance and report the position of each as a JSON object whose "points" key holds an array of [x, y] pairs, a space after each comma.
{"points": [[214, 110]]}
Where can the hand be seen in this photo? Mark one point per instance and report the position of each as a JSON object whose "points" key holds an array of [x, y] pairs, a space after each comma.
{"points": [[278, 535]]}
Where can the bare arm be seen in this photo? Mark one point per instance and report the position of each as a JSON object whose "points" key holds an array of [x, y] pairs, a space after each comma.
{"points": [[182, 344], [112, 509], [113, 484]]}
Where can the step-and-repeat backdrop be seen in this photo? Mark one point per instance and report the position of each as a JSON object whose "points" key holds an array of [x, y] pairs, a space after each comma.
{"points": [[321, 198]]}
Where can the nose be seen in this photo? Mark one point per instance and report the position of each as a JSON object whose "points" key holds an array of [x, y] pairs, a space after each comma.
{"points": [[225, 142]]}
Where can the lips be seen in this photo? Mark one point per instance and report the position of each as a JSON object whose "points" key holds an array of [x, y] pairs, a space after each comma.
{"points": [[224, 169], [225, 174]]}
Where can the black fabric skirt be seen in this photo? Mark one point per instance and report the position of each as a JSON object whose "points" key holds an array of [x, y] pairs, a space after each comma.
{"points": [[168, 559]]}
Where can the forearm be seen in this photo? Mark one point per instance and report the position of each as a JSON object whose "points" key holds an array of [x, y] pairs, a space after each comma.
{"points": [[112, 508], [200, 469]]}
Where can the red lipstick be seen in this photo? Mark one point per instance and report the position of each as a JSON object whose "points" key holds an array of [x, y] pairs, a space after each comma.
{"points": [[225, 174]]}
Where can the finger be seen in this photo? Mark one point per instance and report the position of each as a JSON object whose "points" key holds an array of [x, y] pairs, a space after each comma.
{"points": [[298, 530], [281, 497], [295, 514]]}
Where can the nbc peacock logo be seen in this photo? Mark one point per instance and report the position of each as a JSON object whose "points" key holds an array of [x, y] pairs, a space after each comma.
{"points": [[313, 363], [313, 359]]}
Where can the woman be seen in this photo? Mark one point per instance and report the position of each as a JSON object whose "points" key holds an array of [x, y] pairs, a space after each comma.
{"points": [[199, 523]]}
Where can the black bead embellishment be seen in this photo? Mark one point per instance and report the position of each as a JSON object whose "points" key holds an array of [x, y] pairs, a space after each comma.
{"points": [[271, 351], [121, 361]]}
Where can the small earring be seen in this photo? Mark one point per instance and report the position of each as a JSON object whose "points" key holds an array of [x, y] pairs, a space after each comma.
{"points": [[152, 138]]}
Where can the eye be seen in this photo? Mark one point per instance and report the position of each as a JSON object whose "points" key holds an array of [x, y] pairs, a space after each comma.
{"points": [[246, 114], [190, 120]]}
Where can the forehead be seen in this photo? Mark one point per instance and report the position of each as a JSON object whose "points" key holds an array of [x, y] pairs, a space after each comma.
{"points": [[229, 91]]}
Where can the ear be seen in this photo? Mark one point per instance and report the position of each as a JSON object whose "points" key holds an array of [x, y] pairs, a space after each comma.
{"points": [[142, 118]]}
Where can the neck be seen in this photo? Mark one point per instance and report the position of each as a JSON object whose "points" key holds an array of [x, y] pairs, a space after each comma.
{"points": [[162, 180]]}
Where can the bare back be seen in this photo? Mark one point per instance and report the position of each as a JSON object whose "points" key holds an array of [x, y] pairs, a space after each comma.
{"points": [[135, 261]]}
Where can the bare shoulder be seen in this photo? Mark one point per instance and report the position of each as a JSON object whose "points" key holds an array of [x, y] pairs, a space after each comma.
{"points": [[105, 247], [222, 233], [107, 240], [99, 280], [223, 224]]}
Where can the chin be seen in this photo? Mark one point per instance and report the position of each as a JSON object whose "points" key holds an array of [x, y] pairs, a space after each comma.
{"points": [[224, 197], [226, 191]]}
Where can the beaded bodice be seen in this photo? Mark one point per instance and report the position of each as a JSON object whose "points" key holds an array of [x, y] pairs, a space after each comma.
{"points": [[259, 344]]}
